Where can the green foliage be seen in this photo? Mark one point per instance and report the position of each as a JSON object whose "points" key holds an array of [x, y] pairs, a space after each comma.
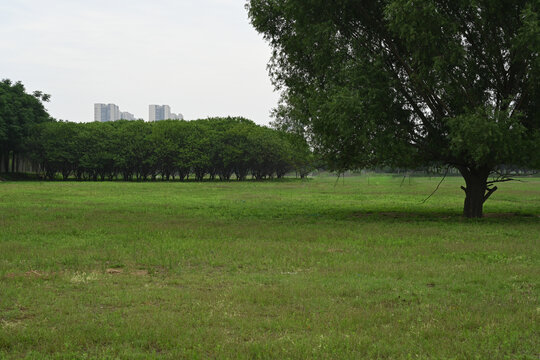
{"points": [[169, 149], [482, 137], [56, 148], [135, 149], [19, 113], [408, 83]]}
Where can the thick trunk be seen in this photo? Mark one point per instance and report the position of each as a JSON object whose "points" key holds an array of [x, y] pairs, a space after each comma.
{"points": [[476, 191], [474, 198]]}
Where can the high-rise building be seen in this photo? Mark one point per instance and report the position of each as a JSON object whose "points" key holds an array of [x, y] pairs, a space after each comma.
{"points": [[177, 116], [159, 112], [110, 112], [106, 112], [162, 112], [127, 115]]}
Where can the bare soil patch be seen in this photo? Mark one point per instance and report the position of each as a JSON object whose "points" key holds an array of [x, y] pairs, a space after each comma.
{"points": [[114, 271]]}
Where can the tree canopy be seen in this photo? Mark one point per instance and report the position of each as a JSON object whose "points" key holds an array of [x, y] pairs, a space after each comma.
{"points": [[19, 113], [209, 148], [213, 148], [410, 82]]}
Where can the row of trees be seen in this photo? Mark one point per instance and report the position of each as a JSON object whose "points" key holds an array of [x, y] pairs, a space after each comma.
{"points": [[30, 140], [171, 149]]}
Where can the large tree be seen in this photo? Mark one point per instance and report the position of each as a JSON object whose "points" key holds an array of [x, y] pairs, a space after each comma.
{"points": [[410, 82], [19, 113]]}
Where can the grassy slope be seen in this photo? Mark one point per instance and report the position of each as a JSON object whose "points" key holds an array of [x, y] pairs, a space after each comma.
{"points": [[277, 269]]}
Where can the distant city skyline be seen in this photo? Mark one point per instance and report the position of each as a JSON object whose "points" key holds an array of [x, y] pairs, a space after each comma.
{"points": [[204, 52], [162, 112], [110, 112]]}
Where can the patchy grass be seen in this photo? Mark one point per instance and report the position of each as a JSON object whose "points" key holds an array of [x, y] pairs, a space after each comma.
{"points": [[284, 269]]}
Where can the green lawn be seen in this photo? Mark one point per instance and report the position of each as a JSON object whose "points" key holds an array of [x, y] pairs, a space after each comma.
{"points": [[284, 269]]}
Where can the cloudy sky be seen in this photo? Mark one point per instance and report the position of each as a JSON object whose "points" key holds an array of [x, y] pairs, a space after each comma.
{"points": [[201, 57]]}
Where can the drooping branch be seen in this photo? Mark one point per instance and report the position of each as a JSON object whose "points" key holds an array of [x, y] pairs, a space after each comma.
{"points": [[499, 181], [437, 188]]}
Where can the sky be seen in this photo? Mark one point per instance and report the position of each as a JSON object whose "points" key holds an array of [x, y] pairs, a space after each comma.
{"points": [[201, 57]]}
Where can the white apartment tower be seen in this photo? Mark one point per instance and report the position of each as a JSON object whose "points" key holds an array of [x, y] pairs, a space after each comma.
{"points": [[177, 116], [159, 112], [106, 112], [162, 112], [127, 115], [110, 112]]}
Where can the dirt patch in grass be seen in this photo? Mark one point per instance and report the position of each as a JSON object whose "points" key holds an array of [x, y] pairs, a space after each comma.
{"points": [[114, 271], [33, 273], [29, 274], [140, 273]]}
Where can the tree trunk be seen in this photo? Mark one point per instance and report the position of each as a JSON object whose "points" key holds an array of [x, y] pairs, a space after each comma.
{"points": [[476, 191], [18, 164], [6, 161]]}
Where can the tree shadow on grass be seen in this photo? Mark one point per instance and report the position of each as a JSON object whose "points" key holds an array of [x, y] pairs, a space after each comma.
{"points": [[393, 216], [18, 177]]}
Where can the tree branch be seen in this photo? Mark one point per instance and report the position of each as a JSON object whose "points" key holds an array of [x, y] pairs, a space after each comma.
{"points": [[501, 180], [489, 192], [437, 188]]}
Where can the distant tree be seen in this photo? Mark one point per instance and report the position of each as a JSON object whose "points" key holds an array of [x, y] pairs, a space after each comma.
{"points": [[166, 147], [99, 151], [406, 83], [268, 154], [135, 155], [198, 145], [229, 152], [238, 147], [19, 113], [301, 157], [56, 149], [90, 149]]}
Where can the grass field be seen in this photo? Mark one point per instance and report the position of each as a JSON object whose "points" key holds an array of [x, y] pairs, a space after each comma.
{"points": [[284, 269]]}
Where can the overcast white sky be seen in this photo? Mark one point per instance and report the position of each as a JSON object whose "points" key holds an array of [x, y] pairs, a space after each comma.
{"points": [[201, 57]]}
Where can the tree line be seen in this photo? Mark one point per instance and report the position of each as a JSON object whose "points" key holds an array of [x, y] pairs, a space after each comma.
{"points": [[136, 150], [170, 149]]}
